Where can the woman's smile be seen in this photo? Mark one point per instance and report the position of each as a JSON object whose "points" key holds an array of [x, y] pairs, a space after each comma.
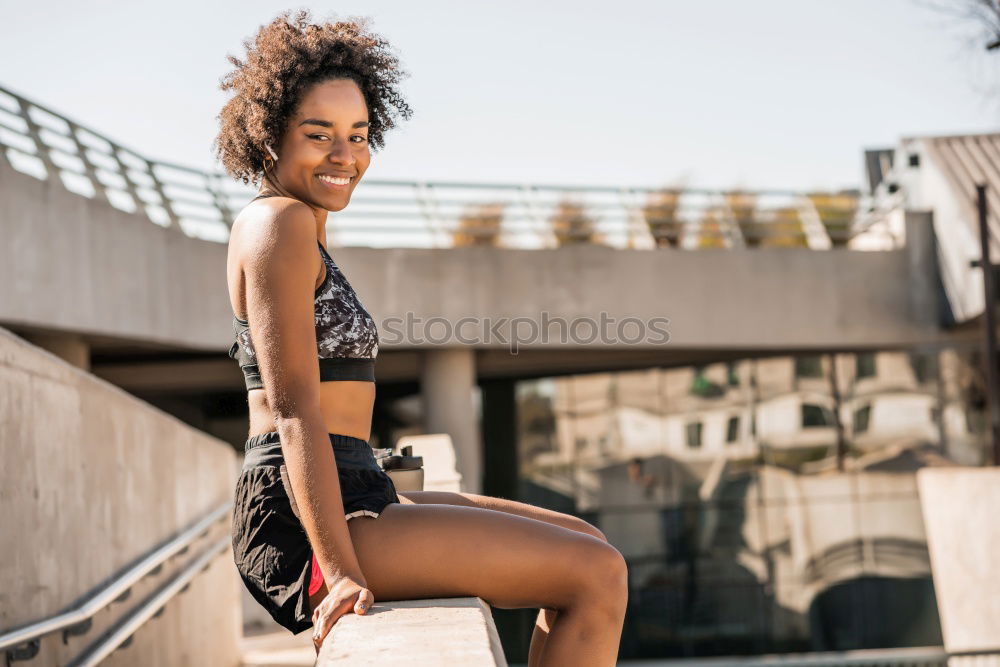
{"points": [[335, 183]]}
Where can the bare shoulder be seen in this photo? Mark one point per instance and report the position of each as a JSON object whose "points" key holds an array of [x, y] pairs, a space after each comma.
{"points": [[274, 227]]}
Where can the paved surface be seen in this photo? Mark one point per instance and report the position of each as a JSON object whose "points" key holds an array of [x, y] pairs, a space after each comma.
{"points": [[278, 648]]}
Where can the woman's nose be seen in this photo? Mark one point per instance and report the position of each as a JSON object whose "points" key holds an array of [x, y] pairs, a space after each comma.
{"points": [[341, 153]]}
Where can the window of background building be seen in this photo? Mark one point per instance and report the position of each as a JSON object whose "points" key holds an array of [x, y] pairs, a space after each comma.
{"points": [[864, 365], [923, 364], [862, 416], [732, 374], [808, 367], [694, 435], [814, 415], [701, 385], [732, 428]]}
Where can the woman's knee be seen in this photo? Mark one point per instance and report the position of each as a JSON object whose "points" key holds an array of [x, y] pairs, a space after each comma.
{"points": [[603, 574]]}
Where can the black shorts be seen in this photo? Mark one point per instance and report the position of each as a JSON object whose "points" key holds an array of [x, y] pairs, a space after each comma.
{"points": [[272, 552]]}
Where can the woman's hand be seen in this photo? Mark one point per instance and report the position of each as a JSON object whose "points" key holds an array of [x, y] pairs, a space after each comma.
{"points": [[345, 595]]}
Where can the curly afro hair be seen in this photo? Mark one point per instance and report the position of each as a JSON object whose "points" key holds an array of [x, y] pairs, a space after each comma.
{"points": [[285, 59]]}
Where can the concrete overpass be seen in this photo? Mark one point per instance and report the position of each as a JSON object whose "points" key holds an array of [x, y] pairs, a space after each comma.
{"points": [[145, 306], [82, 266]]}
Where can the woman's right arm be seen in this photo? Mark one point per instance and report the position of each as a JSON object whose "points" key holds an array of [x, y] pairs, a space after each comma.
{"points": [[280, 282]]}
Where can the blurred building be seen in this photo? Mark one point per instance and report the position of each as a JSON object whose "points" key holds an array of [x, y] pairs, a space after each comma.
{"points": [[765, 504], [939, 174]]}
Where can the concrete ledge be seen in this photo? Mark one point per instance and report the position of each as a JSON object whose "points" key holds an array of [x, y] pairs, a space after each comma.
{"points": [[437, 631]]}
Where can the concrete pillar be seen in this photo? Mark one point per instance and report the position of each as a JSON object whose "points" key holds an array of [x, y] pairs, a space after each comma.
{"points": [[70, 348], [926, 303], [447, 383]]}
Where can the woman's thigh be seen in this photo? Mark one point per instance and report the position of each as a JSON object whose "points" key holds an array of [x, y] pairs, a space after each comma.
{"points": [[414, 551], [502, 505]]}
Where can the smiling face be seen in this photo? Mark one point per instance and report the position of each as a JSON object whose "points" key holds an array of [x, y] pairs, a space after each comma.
{"points": [[324, 151]]}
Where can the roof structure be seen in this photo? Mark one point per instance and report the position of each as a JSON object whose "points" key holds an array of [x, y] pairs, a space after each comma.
{"points": [[966, 161], [878, 164]]}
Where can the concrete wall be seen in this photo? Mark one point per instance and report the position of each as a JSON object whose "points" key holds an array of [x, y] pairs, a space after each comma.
{"points": [[927, 187], [92, 478], [960, 507], [71, 263]]}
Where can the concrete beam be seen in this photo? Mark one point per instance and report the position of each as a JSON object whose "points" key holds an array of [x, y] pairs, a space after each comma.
{"points": [[71, 348]]}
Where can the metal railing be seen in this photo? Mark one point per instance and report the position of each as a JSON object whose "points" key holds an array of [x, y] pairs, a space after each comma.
{"points": [[24, 642], [48, 145]]}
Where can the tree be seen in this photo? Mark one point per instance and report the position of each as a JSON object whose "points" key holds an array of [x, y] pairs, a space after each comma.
{"points": [[710, 231], [784, 229], [660, 214], [984, 14], [742, 205], [571, 224], [836, 211], [479, 225]]}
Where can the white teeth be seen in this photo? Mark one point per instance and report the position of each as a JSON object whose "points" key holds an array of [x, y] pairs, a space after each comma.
{"points": [[335, 181]]}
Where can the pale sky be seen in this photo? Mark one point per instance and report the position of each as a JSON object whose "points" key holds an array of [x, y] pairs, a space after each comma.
{"points": [[773, 93]]}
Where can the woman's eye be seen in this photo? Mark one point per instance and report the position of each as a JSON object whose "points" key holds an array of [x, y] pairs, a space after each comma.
{"points": [[323, 137]]}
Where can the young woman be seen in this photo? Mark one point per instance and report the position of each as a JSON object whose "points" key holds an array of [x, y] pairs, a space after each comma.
{"points": [[318, 528]]}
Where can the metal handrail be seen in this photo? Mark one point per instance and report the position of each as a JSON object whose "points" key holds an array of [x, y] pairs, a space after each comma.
{"points": [[122, 632], [439, 213], [78, 618]]}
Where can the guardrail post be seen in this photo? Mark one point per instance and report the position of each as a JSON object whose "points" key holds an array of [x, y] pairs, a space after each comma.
{"points": [[164, 201], [219, 199], [130, 185], [100, 193], [34, 131]]}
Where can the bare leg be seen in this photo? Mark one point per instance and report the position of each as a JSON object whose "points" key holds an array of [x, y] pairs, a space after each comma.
{"points": [[417, 551], [565, 643], [546, 617], [543, 625]]}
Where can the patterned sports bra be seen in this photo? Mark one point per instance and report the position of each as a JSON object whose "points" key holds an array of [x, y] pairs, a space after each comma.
{"points": [[346, 335]]}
